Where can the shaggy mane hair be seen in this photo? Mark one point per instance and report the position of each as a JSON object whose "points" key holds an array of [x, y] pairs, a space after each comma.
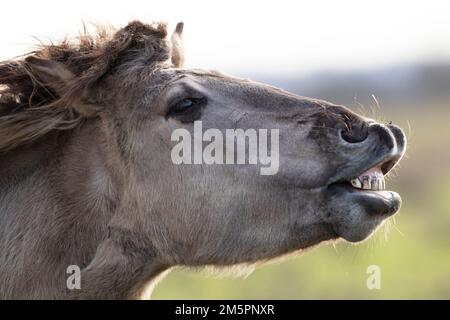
{"points": [[30, 108]]}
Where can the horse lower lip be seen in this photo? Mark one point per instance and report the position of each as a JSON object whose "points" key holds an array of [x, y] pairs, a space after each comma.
{"points": [[380, 202]]}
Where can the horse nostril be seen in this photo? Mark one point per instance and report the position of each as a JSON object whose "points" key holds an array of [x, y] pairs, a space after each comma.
{"points": [[355, 135]]}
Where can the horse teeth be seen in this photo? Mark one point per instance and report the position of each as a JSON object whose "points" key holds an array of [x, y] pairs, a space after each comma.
{"points": [[375, 182], [356, 183], [366, 183]]}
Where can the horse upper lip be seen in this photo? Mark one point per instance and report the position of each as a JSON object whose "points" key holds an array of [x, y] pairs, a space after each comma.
{"points": [[386, 164]]}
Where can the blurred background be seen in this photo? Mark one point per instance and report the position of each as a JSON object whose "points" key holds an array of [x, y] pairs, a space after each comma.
{"points": [[387, 60]]}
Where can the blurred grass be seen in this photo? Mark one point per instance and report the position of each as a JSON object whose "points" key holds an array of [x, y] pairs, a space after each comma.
{"points": [[413, 254]]}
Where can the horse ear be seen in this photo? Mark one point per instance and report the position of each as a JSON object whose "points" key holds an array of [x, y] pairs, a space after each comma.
{"points": [[177, 46], [57, 77]]}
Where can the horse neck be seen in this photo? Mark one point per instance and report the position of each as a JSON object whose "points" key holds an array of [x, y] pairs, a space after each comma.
{"points": [[56, 197], [67, 190]]}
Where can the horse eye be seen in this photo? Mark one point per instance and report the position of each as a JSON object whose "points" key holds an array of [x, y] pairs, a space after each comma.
{"points": [[183, 105], [186, 106], [186, 103]]}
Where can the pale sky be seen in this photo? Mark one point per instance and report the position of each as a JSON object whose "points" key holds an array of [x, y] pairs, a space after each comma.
{"points": [[256, 36]]}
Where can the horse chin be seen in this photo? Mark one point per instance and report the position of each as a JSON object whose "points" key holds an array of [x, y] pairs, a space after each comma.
{"points": [[355, 214]]}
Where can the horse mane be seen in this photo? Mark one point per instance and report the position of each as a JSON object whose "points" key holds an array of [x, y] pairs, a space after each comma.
{"points": [[30, 108]]}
